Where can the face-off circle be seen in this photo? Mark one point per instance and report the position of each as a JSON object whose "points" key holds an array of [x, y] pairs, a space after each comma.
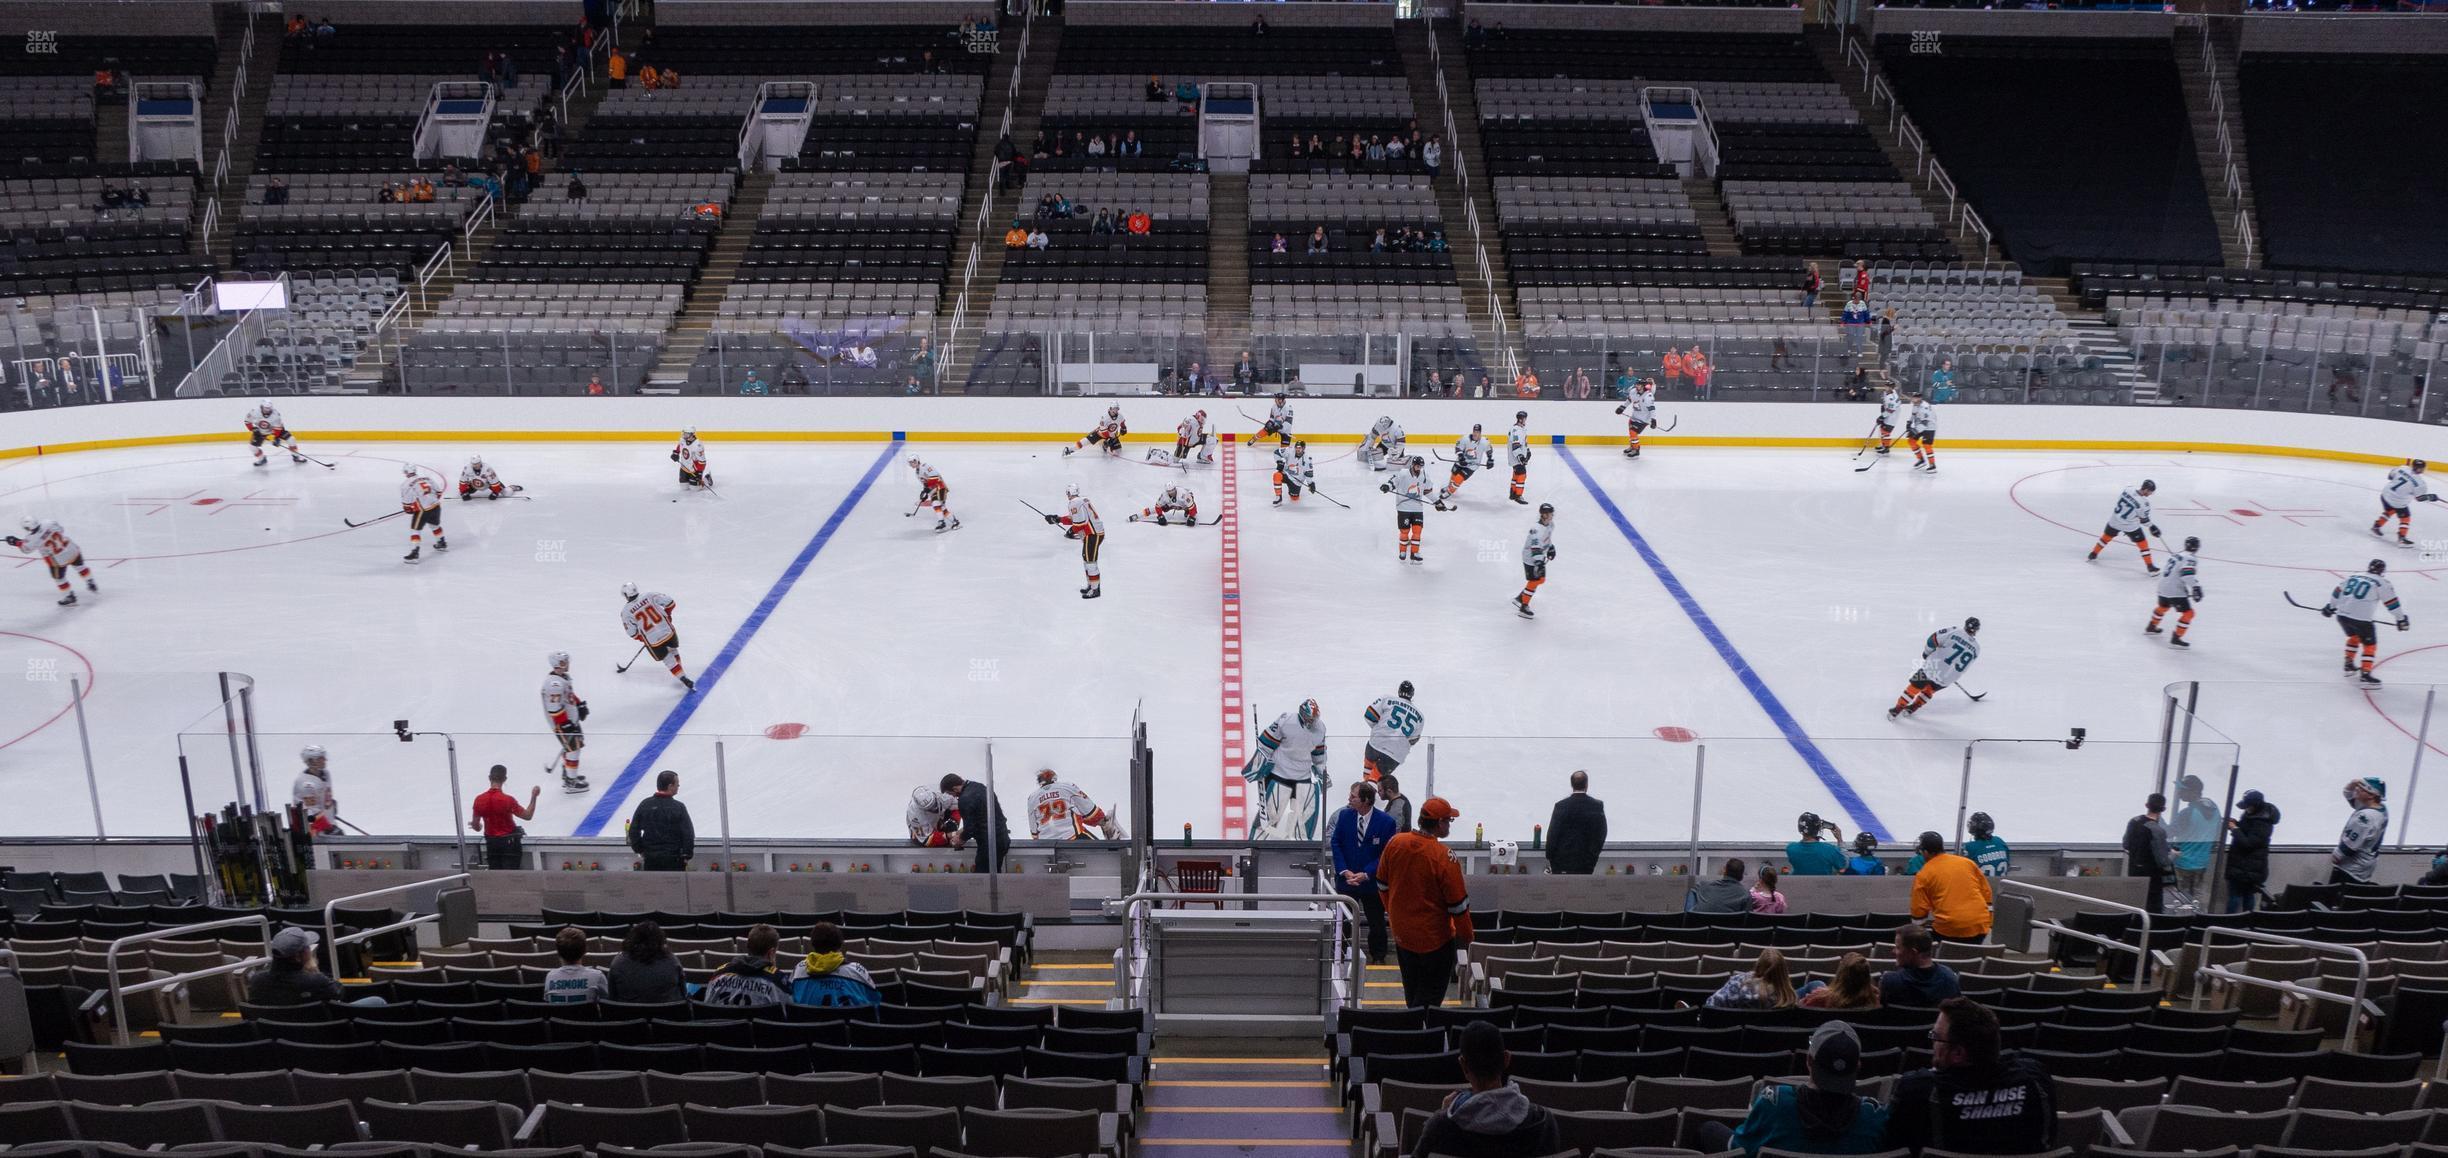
{"points": [[2297, 528]]}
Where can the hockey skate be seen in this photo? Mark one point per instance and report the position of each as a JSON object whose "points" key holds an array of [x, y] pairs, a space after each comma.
{"points": [[2153, 629], [1278, 501], [1631, 452], [414, 554], [90, 585], [1091, 592], [2377, 533], [2402, 541], [947, 525], [1133, 518], [1521, 500], [2350, 665], [1524, 608], [1067, 451], [575, 784], [439, 545], [68, 600], [263, 461], [688, 683], [2150, 568], [297, 458], [2370, 681], [2178, 641]]}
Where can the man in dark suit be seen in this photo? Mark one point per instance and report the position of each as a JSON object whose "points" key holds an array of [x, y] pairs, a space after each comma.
{"points": [[1576, 830], [975, 806]]}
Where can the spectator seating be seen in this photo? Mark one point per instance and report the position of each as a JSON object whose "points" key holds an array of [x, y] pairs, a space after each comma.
{"points": [[630, 134], [782, 50], [2072, 149], [331, 318], [47, 120], [45, 328], [503, 337], [2280, 354], [882, 227], [1656, 57], [337, 221], [665, 197], [1354, 212], [79, 55], [360, 122], [1164, 324], [647, 230], [2096, 280], [31, 202], [60, 242], [2319, 154], [1977, 310], [47, 97], [1175, 53]]}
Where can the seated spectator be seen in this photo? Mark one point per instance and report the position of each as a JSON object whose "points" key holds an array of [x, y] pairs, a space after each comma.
{"points": [[385, 195], [753, 385], [671, 77], [1725, 894], [1394, 149], [1317, 240], [1376, 150], [1377, 244], [1258, 27], [1864, 861], [1156, 93], [293, 977], [276, 192], [1277, 245], [1104, 222], [1764, 896], [862, 355], [794, 379], [651, 77], [1918, 979], [1973, 1099], [1037, 238], [1296, 144], [324, 30], [1951, 892], [138, 198], [1493, 1118], [1045, 205], [827, 978], [595, 385], [424, 191], [1826, 1118], [1131, 146], [1016, 237], [616, 69], [1850, 987], [573, 981], [1140, 223], [112, 197], [752, 979], [1040, 146], [645, 971], [296, 28], [1436, 241], [1062, 206], [1187, 92], [1096, 146], [576, 190], [1769, 985]]}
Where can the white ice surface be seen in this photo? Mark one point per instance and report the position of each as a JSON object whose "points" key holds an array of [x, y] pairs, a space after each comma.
{"points": [[1823, 580]]}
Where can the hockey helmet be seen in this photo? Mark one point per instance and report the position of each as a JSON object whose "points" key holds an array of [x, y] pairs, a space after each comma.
{"points": [[2417, 464], [266, 408], [30, 523], [1521, 416], [2147, 486], [1307, 713], [476, 460], [558, 660], [1418, 462], [914, 464], [1300, 444], [1201, 415], [1971, 625], [1045, 776], [1474, 428], [628, 590], [1546, 510], [1280, 398], [2192, 542], [1809, 824], [1113, 411], [1864, 844], [1071, 490], [926, 799], [408, 469], [313, 754], [2378, 566], [688, 434], [1403, 689], [1981, 825]]}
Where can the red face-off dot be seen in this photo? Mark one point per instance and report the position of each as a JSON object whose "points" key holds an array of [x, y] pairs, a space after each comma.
{"points": [[785, 731], [1674, 735]]}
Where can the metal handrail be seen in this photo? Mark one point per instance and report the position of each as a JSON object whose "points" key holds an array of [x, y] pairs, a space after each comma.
{"points": [[1137, 906], [2354, 1004], [332, 942], [476, 221], [2141, 952], [439, 262], [119, 993]]}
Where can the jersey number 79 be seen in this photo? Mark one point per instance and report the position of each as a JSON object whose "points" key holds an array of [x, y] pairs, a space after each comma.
{"points": [[1959, 659]]}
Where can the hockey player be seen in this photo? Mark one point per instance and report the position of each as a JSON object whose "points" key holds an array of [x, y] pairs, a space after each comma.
{"points": [[312, 792], [1883, 427], [1190, 436], [1412, 494], [1293, 471], [1385, 445], [1537, 551], [566, 713], [1517, 452], [1640, 413], [1108, 434], [1944, 657], [1287, 777], [476, 476], [422, 500], [1921, 432], [2406, 487], [691, 456], [932, 817], [1278, 421], [60, 555], [1985, 849], [2130, 518], [647, 618], [2355, 604], [263, 424], [1394, 725], [1081, 521], [1175, 505], [1471, 453], [931, 493], [1058, 810], [2179, 589]]}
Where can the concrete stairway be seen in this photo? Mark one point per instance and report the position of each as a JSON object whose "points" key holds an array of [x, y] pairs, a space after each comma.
{"points": [[1716, 223], [696, 322], [230, 23], [1829, 46], [1228, 276], [2199, 83], [1045, 40], [1477, 280], [111, 131]]}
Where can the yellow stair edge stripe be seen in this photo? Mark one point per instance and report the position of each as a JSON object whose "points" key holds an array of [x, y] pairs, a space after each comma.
{"points": [[1108, 967], [1209, 1085], [1236, 1061], [1070, 984], [1055, 1001], [1242, 1110], [1253, 1142]]}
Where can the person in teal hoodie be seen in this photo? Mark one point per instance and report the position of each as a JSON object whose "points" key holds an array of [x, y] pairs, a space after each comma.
{"points": [[1865, 861], [1985, 849], [1827, 1117], [1811, 856]]}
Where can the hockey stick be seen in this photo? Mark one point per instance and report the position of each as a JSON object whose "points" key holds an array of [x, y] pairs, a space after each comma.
{"points": [[371, 522], [1329, 498], [1976, 696], [327, 466], [1867, 465], [633, 658], [2290, 597], [1669, 424], [351, 827], [1033, 507], [1868, 440]]}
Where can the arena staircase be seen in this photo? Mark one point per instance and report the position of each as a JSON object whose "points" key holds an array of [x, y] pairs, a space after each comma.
{"points": [[1716, 223], [695, 324], [1487, 289], [230, 26], [1265, 1098], [1228, 276], [1879, 117], [2207, 54], [1044, 38]]}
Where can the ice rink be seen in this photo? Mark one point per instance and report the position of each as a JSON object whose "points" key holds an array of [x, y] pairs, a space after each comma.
{"points": [[1745, 616]]}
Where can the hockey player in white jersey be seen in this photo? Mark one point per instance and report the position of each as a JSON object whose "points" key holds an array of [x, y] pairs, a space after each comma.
{"points": [[1471, 454], [933, 816], [691, 456], [1395, 724], [567, 714], [933, 493], [1108, 434], [1921, 431], [1188, 437], [1278, 421], [1640, 413], [1058, 810], [2179, 589], [476, 478], [1287, 777], [1176, 505], [1293, 471], [312, 792], [2357, 603], [1883, 427], [2406, 486], [1517, 452], [1538, 550], [1385, 445], [646, 616], [1080, 521], [2131, 517], [1412, 493], [1944, 658], [264, 424], [421, 499], [59, 554]]}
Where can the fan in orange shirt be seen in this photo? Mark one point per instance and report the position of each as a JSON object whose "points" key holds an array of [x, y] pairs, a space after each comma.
{"points": [[1671, 366]]}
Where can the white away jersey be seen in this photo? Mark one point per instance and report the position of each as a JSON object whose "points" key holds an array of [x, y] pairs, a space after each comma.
{"points": [[1517, 444], [2180, 577], [1641, 407], [1412, 492], [1060, 811], [1177, 498], [1290, 751], [313, 795], [1540, 545], [1294, 467], [2365, 597], [692, 455], [477, 474], [258, 422], [1949, 651], [1394, 725], [51, 543], [928, 477], [1083, 514], [648, 618], [1922, 418], [2404, 487], [925, 820], [560, 699], [419, 494], [1471, 450], [2132, 511], [1279, 416], [1889, 403], [1188, 433]]}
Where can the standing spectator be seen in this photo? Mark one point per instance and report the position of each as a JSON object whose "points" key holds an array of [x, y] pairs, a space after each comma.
{"points": [[1576, 830], [1670, 367], [2358, 847], [509, 70], [1918, 978], [576, 190], [645, 971], [573, 981], [1861, 278], [1426, 903], [660, 831], [827, 978], [1767, 985], [1493, 1118], [1951, 893], [1811, 856], [2248, 847], [1827, 1118], [495, 813], [977, 803], [1942, 381], [1765, 898], [1811, 283], [1696, 367], [1432, 156], [1357, 837], [1973, 1099], [1725, 894], [1856, 320], [2146, 851], [1779, 355], [1245, 371], [1886, 336], [595, 386], [753, 980], [2193, 832], [1849, 987], [1985, 849], [1156, 91], [1395, 804]]}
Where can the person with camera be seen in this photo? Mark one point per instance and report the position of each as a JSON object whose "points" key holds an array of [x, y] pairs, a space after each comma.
{"points": [[495, 814], [1811, 856]]}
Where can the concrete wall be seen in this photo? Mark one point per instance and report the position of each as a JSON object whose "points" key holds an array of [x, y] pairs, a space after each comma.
{"points": [[2364, 33], [345, 13], [1636, 18], [1295, 15], [1043, 895], [796, 12], [1968, 22], [104, 18]]}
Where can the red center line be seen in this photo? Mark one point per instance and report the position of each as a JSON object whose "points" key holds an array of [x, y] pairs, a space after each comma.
{"points": [[1236, 807]]}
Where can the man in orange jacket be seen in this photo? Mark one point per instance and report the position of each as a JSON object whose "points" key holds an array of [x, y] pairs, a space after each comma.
{"points": [[1427, 905], [1951, 893]]}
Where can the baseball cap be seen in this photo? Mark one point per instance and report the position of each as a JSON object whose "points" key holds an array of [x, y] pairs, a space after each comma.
{"points": [[292, 941], [1835, 1057], [1436, 808]]}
